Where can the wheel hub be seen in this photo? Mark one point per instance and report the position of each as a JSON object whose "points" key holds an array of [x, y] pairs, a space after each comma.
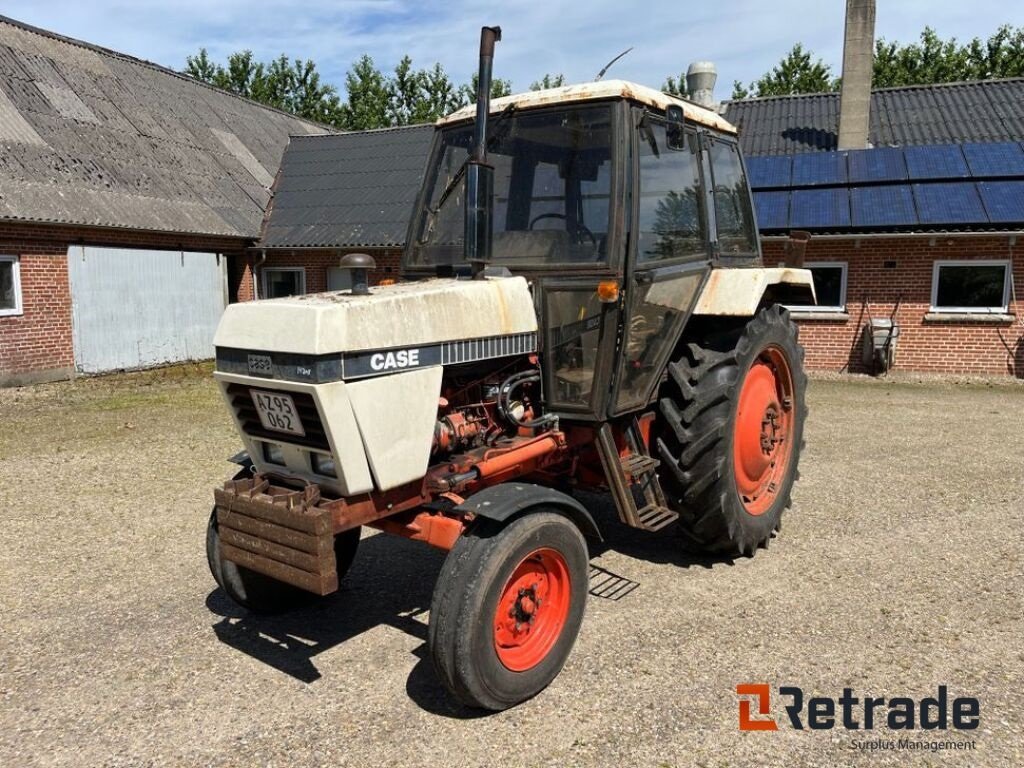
{"points": [[764, 421], [532, 610]]}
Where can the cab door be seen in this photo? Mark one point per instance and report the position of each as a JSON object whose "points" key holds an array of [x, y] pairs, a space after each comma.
{"points": [[669, 257]]}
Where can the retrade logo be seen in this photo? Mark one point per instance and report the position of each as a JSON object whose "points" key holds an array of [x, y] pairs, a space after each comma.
{"points": [[855, 713]]}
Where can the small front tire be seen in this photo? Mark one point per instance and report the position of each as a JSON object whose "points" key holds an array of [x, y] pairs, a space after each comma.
{"points": [[507, 608]]}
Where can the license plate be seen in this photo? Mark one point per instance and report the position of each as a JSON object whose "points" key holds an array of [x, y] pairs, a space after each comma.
{"points": [[261, 365], [277, 412]]}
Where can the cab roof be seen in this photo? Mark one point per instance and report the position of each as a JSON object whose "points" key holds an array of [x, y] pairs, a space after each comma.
{"points": [[604, 89]]}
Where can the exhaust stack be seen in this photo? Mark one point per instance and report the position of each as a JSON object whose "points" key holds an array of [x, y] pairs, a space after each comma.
{"points": [[858, 66], [480, 175]]}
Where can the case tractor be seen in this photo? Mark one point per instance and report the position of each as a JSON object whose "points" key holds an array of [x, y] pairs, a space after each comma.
{"points": [[582, 305]]}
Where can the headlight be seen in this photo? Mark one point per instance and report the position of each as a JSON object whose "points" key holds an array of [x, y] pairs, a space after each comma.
{"points": [[272, 454], [324, 465]]}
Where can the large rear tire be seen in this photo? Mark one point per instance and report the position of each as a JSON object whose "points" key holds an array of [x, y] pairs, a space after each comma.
{"points": [[730, 430], [262, 594], [507, 608]]}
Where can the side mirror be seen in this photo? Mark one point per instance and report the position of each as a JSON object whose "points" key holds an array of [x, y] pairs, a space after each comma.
{"points": [[675, 136]]}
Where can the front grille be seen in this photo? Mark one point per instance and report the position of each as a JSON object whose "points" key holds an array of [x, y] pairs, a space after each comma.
{"points": [[316, 436]]}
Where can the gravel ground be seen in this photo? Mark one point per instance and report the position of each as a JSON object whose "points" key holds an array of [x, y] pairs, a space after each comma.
{"points": [[899, 569]]}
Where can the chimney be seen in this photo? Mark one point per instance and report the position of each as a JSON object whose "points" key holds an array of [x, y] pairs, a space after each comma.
{"points": [[858, 67], [700, 83]]}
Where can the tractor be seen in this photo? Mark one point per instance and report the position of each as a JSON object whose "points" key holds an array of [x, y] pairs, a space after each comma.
{"points": [[582, 306]]}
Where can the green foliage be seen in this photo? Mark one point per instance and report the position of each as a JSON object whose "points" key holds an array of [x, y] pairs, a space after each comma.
{"points": [[499, 88], [798, 72], [930, 60], [293, 86], [935, 60], [548, 81], [676, 86]]}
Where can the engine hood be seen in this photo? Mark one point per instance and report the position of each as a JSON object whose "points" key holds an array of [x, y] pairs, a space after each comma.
{"points": [[400, 315]]}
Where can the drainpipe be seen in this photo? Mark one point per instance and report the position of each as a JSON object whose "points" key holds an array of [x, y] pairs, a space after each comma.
{"points": [[255, 266]]}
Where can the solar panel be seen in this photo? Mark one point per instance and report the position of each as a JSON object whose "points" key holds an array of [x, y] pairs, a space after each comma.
{"points": [[945, 161], [949, 203], [882, 164], [888, 206], [1004, 201], [772, 210], [770, 171], [812, 169], [820, 209], [987, 160]]}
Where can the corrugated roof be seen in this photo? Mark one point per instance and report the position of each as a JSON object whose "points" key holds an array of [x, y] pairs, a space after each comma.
{"points": [[987, 111], [347, 190], [94, 137]]}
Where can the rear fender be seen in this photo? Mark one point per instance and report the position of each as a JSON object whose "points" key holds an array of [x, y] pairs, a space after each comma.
{"points": [[740, 292], [506, 501]]}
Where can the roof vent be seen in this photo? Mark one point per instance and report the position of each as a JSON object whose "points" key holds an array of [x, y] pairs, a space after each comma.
{"points": [[701, 77]]}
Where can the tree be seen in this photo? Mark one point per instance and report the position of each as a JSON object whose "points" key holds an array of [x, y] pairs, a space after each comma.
{"points": [[935, 60], [548, 81], [796, 73], [676, 86], [499, 88], [930, 60], [369, 96], [293, 86]]}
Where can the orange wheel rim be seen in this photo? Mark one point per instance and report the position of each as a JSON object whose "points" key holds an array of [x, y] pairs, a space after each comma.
{"points": [[762, 441], [532, 610]]}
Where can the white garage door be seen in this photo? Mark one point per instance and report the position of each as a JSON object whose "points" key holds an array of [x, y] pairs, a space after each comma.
{"points": [[135, 309]]}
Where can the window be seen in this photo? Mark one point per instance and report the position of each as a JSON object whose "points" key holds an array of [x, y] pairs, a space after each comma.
{"points": [[552, 191], [283, 281], [671, 219], [829, 287], [10, 286], [971, 286], [732, 201]]}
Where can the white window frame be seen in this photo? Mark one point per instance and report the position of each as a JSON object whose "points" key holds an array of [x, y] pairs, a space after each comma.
{"points": [[998, 310], [18, 308], [266, 270], [837, 309]]}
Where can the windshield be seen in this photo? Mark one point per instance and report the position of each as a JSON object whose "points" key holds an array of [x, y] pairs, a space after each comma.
{"points": [[552, 177]]}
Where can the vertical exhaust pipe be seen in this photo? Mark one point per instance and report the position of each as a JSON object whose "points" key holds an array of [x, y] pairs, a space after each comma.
{"points": [[480, 175]]}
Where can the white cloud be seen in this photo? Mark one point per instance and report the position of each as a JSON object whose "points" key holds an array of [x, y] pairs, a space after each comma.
{"points": [[744, 37]]}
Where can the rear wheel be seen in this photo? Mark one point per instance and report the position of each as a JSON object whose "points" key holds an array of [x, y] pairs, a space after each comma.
{"points": [[507, 608], [730, 432], [262, 594]]}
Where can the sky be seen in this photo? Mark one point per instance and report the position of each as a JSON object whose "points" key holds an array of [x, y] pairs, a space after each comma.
{"points": [[745, 38]]}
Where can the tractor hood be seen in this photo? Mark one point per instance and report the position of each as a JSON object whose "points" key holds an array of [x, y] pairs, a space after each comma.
{"points": [[400, 315]]}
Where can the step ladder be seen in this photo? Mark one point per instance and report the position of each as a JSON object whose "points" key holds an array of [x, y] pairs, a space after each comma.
{"points": [[634, 471]]}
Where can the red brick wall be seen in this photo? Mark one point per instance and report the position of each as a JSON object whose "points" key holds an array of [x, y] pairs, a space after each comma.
{"points": [[37, 344], [318, 262], [874, 290], [39, 339]]}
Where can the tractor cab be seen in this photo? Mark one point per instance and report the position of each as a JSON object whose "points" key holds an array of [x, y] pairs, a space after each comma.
{"points": [[615, 201]]}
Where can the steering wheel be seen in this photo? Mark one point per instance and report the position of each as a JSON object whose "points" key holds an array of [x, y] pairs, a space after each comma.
{"points": [[581, 227]]}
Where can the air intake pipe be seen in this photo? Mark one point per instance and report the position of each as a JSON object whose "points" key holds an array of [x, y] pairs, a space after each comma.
{"points": [[480, 175]]}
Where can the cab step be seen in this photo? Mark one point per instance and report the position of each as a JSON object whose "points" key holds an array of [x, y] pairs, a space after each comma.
{"points": [[632, 475]]}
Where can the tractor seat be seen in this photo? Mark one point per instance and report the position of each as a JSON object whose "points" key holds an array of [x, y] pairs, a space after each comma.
{"points": [[536, 246]]}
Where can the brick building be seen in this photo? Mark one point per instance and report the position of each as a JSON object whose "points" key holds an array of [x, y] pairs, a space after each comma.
{"points": [[338, 194], [924, 227], [129, 195]]}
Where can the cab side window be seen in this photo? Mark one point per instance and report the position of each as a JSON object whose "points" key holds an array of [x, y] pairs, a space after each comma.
{"points": [[732, 201], [671, 207]]}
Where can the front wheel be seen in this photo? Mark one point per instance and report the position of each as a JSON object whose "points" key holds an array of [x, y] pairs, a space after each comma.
{"points": [[507, 608], [730, 430]]}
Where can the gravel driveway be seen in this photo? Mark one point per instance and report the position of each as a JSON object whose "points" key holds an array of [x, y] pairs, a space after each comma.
{"points": [[899, 569]]}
